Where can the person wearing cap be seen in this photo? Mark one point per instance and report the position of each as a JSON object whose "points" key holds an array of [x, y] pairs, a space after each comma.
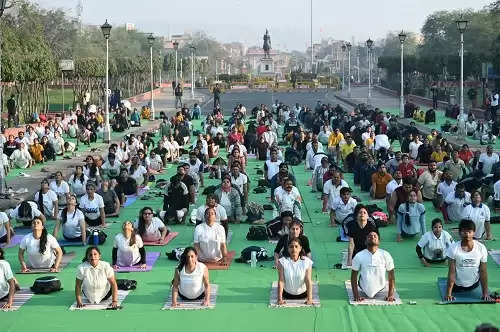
{"points": [[380, 179]]}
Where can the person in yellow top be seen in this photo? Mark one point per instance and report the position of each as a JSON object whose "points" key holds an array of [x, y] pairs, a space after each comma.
{"points": [[333, 142], [369, 142], [347, 148], [99, 118], [240, 127], [438, 155], [36, 151]]}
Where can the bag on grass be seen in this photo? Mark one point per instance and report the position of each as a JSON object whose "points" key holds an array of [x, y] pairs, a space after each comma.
{"points": [[175, 254], [254, 212], [126, 284], [246, 254], [102, 237], [257, 233], [46, 285]]}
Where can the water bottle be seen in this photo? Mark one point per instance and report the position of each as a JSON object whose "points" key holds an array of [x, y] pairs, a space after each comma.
{"points": [[95, 237], [253, 260]]}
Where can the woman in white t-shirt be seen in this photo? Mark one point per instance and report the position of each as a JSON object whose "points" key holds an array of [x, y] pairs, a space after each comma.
{"points": [[433, 245], [78, 182], [72, 221], [467, 263], [191, 279], [95, 279], [47, 200], [61, 188], [210, 239], [150, 228], [294, 274], [92, 206], [128, 249], [6, 230], [8, 284], [25, 212], [479, 213], [42, 248]]}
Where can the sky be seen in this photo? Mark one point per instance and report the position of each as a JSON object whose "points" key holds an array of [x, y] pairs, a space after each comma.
{"points": [[288, 21]]}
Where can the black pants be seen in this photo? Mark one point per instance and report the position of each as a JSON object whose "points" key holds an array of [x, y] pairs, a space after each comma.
{"points": [[216, 101], [93, 222], [3, 239], [76, 239], [201, 297], [294, 297], [457, 288]]}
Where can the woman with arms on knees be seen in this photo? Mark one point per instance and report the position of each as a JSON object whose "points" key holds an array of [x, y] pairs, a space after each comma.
{"points": [[149, 227], [95, 279], [92, 206], [47, 201], [128, 249], [8, 284], [467, 263], [295, 231], [294, 274], [191, 280], [42, 248], [411, 218], [433, 245], [210, 239], [72, 221]]}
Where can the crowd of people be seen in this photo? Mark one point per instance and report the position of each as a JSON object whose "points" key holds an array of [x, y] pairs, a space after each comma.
{"points": [[327, 139]]}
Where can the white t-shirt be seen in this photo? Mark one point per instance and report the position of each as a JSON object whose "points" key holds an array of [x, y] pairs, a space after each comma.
{"points": [[71, 228], [444, 188], [285, 199], [209, 238], [295, 274], [48, 201], [372, 269], [60, 190], [4, 220], [341, 209], [456, 206], [240, 181], [14, 214], [95, 284], [434, 248], [127, 255], [153, 232], [91, 208], [220, 213], [488, 161], [272, 168], [77, 187], [112, 171], [382, 141], [5, 275], [479, 215], [191, 284], [414, 149], [32, 247], [333, 191], [393, 185], [155, 163], [138, 174], [467, 263]]}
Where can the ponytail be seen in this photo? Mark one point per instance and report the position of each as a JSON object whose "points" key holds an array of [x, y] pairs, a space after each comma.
{"points": [[43, 241]]}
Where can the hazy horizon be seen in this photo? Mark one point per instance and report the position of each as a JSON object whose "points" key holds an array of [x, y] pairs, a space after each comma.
{"points": [[288, 21]]}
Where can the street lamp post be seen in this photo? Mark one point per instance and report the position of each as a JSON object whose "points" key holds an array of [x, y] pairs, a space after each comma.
{"points": [[369, 44], [193, 49], [402, 38], [106, 31], [176, 47], [2, 171], [462, 26], [348, 46], [343, 65], [151, 40]]}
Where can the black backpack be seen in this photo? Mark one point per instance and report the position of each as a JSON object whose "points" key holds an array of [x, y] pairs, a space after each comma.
{"points": [[257, 233], [46, 285], [90, 237], [246, 254], [292, 156], [126, 284]]}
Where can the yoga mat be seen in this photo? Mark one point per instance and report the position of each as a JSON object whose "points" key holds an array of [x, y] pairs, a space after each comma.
{"points": [[91, 228], [495, 254], [66, 259], [293, 303], [472, 296], [218, 266], [151, 258], [20, 297], [379, 298], [132, 198], [170, 236], [104, 305], [192, 305], [14, 241], [65, 243], [344, 255]]}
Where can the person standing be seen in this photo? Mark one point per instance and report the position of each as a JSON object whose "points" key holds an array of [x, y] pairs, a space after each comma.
{"points": [[178, 95], [12, 110], [217, 93]]}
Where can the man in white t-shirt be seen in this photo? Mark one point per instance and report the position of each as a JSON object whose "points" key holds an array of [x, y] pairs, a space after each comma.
{"points": [[487, 160], [456, 202], [331, 190], [288, 198], [239, 180], [211, 202], [372, 264], [467, 263], [342, 206], [271, 166]]}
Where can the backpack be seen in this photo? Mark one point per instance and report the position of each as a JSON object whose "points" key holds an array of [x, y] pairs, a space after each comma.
{"points": [[246, 254], [126, 284], [175, 254], [46, 285], [273, 228], [257, 233], [292, 156], [254, 212], [90, 237]]}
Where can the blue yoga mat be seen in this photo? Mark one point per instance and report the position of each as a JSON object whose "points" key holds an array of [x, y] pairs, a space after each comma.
{"points": [[472, 296]]}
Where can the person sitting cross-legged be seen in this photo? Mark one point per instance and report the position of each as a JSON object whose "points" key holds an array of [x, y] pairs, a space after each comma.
{"points": [[433, 244], [210, 239]]}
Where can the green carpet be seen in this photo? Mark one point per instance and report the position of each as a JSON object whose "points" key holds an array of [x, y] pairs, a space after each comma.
{"points": [[242, 303]]}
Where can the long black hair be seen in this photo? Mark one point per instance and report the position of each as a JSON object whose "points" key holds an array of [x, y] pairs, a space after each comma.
{"points": [[82, 176], [89, 249], [24, 210], [40, 196], [182, 261], [64, 212], [2, 254], [43, 237], [142, 223]]}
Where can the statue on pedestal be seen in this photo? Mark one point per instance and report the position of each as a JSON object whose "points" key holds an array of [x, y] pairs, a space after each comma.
{"points": [[267, 44]]}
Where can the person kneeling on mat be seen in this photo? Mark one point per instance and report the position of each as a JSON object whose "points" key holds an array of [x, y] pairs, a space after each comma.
{"points": [[372, 264], [191, 279], [433, 244], [467, 263], [294, 274], [95, 279], [149, 227], [128, 249], [8, 283], [43, 250], [295, 231], [210, 239]]}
